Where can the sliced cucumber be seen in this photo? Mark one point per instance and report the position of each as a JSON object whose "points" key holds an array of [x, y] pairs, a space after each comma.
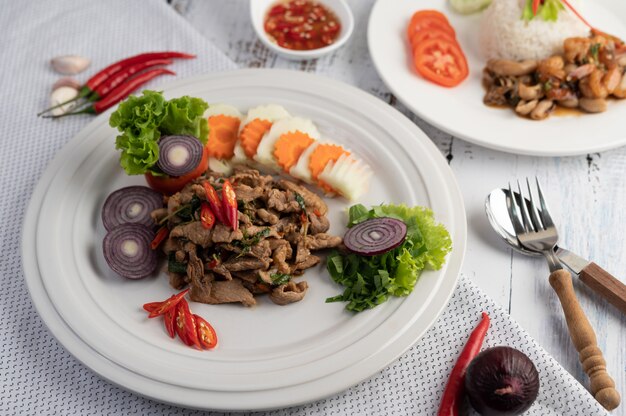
{"points": [[469, 6]]}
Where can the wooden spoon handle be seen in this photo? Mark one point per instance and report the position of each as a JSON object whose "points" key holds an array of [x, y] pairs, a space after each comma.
{"points": [[584, 339], [605, 285]]}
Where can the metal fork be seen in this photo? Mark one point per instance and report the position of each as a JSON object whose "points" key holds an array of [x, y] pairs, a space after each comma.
{"points": [[536, 232]]}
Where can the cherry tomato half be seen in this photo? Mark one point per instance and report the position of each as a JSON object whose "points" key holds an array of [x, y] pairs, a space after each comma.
{"points": [[169, 185], [441, 62]]}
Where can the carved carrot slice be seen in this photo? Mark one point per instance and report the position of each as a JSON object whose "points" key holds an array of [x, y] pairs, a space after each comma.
{"points": [[289, 147], [223, 131], [251, 135]]}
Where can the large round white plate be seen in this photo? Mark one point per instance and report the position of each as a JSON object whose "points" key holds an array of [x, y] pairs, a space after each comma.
{"points": [[460, 111], [269, 356]]}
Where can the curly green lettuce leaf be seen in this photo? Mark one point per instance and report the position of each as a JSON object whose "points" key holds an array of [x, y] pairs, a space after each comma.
{"points": [[140, 116], [185, 117], [370, 280], [138, 155]]}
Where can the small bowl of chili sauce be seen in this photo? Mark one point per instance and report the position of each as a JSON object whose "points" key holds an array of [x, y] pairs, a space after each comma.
{"points": [[302, 29]]}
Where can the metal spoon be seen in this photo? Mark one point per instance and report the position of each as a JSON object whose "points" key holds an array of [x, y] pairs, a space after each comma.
{"points": [[595, 277]]}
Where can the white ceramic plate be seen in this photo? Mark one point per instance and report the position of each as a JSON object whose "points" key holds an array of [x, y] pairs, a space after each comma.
{"points": [[460, 110], [268, 356]]}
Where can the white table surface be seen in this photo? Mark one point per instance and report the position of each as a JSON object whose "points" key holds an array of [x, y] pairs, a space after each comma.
{"points": [[586, 193]]}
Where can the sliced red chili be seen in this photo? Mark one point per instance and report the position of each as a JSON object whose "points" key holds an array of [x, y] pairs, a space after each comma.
{"points": [[207, 218], [160, 236], [167, 304], [214, 201], [186, 325], [149, 307], [229, 205], [170, 322], [206, 334]]}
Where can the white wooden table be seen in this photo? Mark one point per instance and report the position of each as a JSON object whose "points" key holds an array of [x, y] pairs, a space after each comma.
{"points": [[586, 193]]}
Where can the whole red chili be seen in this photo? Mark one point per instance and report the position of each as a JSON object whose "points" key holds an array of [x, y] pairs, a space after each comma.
{"points": [[229, 205], [119, 93], [95, 81], [453, 392], [121, 76]]}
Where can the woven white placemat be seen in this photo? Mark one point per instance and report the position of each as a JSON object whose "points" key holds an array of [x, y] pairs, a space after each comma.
{"points": [[37, 376]]}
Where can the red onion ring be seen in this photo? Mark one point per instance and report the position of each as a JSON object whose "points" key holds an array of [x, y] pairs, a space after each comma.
{"points": [[127, 251], [375, 236], [191, 149], [132, 204]]}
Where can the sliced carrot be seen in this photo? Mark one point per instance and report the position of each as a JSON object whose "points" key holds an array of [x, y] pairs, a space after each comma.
{"points": [[223, 131], [251, 135], [289, 147], [323, 154]]}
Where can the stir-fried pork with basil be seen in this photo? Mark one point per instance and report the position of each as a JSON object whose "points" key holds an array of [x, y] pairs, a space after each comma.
{"points": [[280, 224]]}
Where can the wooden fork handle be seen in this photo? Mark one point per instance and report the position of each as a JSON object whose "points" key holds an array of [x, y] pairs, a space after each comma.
{"points": [[584, 339], [605, 285]]}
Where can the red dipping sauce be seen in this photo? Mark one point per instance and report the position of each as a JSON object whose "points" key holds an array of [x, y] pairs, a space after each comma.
{"points": [[301, 25]]}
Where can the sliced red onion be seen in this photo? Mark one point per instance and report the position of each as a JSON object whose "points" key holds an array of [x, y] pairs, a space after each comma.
{"points": [[132, 204], [179, 155], [375, 236], [127, 251]]}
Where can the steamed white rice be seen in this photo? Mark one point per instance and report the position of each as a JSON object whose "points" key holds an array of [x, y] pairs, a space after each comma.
{"points": [[504, 34]]}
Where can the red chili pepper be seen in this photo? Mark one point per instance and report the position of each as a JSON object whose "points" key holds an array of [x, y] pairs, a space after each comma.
{"points": [[213, 263], [453, 393], [229, 205], [166, 305], [119, 93], [214, 201], [535, 6], [93, 82], [159, 237], [206, 334], [207, 218], [170, 320], [186, 325], [149, 307], [122, 75]]}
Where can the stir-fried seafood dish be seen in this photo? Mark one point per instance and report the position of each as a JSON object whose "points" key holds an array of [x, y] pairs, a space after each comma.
{"points": [[590, 71]]}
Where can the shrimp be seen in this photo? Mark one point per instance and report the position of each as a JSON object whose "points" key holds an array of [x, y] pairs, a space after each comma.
{"points": [[551, 68], [576, 49], [592, 86]]}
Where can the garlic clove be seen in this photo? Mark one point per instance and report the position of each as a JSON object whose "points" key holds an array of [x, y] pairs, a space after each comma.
{"points": [[70, 64], [61, 95], [66, 82]]}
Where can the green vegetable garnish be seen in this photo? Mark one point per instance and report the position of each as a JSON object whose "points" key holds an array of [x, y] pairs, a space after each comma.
{"points": [[370, 280], [175, 266], [280, 278], [300, 201], [142, 120], [548, 10], [594, 50]]}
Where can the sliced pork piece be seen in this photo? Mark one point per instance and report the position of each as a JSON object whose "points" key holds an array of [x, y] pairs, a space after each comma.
{"points": [[229, 291], [318, 224], [223, 234], [282, 201], [201, 287], [267, 216], [281, 251], [311, 199], [247, 193], [321, 241], [194, 232], [289, 293], [246, 263], [177, 280]]}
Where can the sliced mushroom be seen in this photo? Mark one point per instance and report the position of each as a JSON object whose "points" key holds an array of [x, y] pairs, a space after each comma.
{"points": [[542, 110], [511, 68], [569, 103], [525, 107], [528, 92], [620, 91], [593, 105], [289, 293]]}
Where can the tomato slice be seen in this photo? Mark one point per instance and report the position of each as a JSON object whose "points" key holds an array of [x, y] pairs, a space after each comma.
{"points": [[166, 305], [206, 333], [441, 62], [428, 19], [419, 37], [169, 185]]}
